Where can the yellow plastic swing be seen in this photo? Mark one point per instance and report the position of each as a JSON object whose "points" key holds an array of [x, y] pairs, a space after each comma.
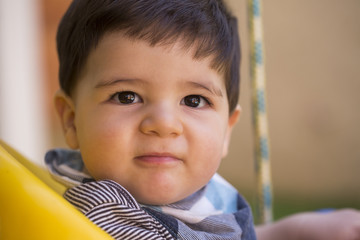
{"points": [[31, 203]]}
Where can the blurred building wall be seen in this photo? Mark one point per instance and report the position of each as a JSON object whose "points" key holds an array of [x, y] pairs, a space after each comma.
{"points": [[312, 62], [23, 121]]}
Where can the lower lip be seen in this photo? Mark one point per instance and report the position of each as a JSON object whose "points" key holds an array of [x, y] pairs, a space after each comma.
{"points": [[156, 160]]}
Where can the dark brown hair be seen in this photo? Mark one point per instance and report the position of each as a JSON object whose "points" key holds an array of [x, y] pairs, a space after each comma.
{"points": [[204, 24]]}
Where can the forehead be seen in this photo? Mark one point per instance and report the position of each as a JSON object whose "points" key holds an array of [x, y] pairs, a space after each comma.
{"points": [[181, 44], [115, 50]]}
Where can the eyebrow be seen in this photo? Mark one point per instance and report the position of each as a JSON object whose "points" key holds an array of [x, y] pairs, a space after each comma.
{"points": [[208, 87], [111, 82]]}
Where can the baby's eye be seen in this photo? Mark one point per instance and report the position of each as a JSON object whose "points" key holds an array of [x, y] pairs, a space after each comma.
{"points": [[126, 97], [195, 101]]}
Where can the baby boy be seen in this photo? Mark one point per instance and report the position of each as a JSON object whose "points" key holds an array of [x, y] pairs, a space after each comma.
{"points": [[149, 93]]}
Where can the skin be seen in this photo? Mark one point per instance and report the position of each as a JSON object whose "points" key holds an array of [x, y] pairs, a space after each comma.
{"points": [[343, 224], [153, 119]]}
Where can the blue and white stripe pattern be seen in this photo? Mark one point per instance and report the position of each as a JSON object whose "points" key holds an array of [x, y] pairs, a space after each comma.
{"points": [[114, 210], [216, 212], [262, 159]]}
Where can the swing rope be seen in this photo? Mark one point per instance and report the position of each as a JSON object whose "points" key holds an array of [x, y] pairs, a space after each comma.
{"points": [[263, 208]]}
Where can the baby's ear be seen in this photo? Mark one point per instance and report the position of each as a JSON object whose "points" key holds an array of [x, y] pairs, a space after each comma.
{"points": [[65, 108], [233, 118]]}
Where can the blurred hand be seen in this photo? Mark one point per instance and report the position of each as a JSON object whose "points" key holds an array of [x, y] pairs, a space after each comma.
{"points": [[337, 225]]}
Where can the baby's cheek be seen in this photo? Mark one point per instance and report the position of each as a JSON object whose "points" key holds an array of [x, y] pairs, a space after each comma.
{"points": [[211, 152]]}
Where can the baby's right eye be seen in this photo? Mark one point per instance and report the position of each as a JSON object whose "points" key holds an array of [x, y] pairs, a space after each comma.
{"points": [[126, 97]]}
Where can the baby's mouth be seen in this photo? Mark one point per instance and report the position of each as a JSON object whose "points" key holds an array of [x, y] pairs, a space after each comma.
{"points": [[157, 159]]}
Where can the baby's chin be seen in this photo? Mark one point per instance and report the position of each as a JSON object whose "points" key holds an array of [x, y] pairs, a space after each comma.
{"points": [[156, 192], [159, 199], [160, 188]]}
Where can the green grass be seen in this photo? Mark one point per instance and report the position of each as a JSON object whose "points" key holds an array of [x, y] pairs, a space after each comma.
{"points": [[283, 207]]}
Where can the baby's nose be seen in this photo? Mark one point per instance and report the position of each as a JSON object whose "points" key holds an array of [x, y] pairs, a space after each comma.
{"points": [[162, 120]]}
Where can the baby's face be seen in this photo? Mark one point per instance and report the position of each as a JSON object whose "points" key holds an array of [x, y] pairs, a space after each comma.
{"points": [[152, 119]]}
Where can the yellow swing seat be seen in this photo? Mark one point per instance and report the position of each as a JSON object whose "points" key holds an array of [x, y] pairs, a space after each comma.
{"points": [[32, 206]]}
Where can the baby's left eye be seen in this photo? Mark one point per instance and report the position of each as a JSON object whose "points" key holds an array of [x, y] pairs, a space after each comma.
{"points": [[195, 101]]}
